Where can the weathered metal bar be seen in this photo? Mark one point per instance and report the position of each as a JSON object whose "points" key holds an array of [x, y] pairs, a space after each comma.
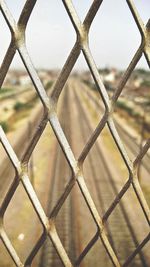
{"points": [[18, 42]]}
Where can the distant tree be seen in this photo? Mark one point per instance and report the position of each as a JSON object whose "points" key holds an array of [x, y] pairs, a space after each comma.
{"points": [[18, 105]]}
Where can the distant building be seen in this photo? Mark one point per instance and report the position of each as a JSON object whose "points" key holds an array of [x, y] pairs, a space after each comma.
{"points": [[137, 82], [24, 80], [110, 77]]}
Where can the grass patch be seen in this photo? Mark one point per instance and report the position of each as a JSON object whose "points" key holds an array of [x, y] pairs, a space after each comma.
{"points": [[5, 126], [134, 117], [123, 105], [5, 90], [146, 83], [21, 111], [20, 106]]}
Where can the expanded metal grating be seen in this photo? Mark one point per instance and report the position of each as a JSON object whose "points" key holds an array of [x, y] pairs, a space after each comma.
{"points": [[18, 42]]}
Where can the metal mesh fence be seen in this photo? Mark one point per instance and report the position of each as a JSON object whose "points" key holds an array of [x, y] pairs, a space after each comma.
{"points": [[18, 42]]}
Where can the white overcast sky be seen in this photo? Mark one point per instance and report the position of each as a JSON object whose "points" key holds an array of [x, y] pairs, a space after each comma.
{"points": [[114, 36]]}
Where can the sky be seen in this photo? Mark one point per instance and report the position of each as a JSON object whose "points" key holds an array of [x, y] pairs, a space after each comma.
{"points": [[114, 37]]}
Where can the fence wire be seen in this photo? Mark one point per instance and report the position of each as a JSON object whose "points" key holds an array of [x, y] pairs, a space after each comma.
{"points": [[18, 43]]}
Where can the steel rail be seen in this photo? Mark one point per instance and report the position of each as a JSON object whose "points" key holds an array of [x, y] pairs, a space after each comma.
{"points": [[85, 121], [48, 254], [126, 137]]}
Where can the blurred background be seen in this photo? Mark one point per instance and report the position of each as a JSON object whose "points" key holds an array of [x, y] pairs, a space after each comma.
{"points": [[113, 40]]}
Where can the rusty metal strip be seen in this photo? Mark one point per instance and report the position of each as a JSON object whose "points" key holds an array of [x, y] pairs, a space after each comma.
{"points": [[18, 43]]}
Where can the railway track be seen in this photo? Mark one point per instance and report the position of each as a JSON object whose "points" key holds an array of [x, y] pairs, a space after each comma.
{"points": [[103, 189], [127, 139], [106, 191], [60, 176]]}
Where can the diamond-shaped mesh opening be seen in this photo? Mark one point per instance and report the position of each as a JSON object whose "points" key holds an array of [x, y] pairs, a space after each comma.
{"points": [[114, 32], [40, 165], [76, 106], [59, 42], [20, 236]]}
